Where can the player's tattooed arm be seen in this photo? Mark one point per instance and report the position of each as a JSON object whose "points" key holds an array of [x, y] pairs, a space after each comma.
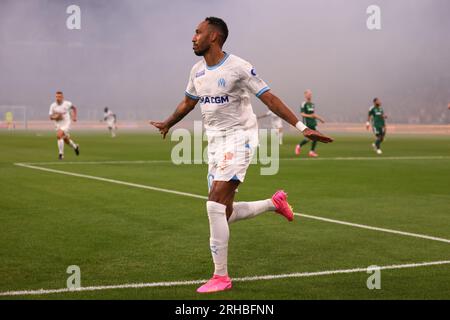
{"points": [[280, 109], [183, 108], [74, 113]]}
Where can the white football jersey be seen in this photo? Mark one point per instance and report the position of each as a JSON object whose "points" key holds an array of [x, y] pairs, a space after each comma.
{"points": [[62, 108], [109, 116], [223, 92]]}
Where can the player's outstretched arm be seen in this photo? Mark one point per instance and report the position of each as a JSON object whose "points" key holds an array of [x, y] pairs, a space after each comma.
{"points": [[368, 123], [183, 108], [74, 113], [319, 118], [280, 109]]}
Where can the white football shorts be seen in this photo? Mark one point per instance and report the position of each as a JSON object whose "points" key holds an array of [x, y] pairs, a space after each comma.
{"points": [[229, 155], [63, 125]]}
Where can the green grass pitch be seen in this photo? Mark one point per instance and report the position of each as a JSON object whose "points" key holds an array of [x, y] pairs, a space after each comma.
{"points": [[118, 234]]}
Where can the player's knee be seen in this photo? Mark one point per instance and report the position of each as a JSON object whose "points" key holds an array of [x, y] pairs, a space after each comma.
{"points": [[217, 197]]}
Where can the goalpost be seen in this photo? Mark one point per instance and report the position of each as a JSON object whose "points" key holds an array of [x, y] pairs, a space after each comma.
{"points": [[13, 117]]}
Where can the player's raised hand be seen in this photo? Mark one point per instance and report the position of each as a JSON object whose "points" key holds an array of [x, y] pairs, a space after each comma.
{"points": [[161, 126], [316, 136]]}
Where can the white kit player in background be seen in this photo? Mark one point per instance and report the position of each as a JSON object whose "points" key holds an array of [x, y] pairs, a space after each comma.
{"points": [[276, 123], [63, 112], [111, 120], [222, 84]]}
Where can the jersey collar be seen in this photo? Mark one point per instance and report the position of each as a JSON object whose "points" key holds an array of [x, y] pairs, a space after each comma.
{"points": [[219, 64]]}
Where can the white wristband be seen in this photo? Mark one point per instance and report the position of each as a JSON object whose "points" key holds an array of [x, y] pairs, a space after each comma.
{"points": [[300, 126]]}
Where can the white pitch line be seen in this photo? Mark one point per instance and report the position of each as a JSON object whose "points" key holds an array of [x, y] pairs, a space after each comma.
{"points": [[281, 159], [136, 185], [242, 279], [99, 162], [192, 195], [362, 226]]}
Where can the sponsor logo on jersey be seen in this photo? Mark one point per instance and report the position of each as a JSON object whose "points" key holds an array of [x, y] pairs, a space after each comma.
{"points": [[221, 82], [214, 100], [199, 74]]}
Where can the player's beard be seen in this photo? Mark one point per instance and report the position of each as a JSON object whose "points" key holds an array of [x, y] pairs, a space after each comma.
{"points": [[201, 53]]}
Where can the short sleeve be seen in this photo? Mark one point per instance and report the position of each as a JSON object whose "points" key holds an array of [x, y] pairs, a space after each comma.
{"points": [[370, 111], [190, 88], [50, 112], [302, 108], [252, 80]]}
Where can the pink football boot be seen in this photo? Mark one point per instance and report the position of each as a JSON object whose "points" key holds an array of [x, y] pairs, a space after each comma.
{"points": [[297, 149], [279, 200], [215, 284]]}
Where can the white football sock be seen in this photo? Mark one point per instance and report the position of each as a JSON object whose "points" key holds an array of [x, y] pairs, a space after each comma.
{"points": [[72, 144], [219, 235], [246, 210], [61, 146]]}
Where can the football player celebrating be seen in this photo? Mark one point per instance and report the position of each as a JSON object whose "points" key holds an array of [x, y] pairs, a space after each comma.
{"points": [[222, 84], [63, 112]]}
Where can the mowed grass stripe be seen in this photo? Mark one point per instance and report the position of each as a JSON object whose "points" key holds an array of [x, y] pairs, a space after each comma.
{"points": [[264, 160], [192, 195]]}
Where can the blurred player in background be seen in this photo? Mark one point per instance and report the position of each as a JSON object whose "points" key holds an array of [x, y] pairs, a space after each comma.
{"points": [[111, 120], [310, 118], [222, 84], [63, 112], [276, 124], [9, 119], [376, 119]]}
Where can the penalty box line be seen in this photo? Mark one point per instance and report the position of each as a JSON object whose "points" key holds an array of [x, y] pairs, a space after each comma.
{"points": [[192, 195], [241, 279]]}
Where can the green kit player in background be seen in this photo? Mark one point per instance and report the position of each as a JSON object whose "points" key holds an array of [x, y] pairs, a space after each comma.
{"points": [[376, 118], [310, 119]]}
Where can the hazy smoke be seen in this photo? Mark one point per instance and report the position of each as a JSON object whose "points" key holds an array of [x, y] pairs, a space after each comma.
{"points": [[135, 56]]}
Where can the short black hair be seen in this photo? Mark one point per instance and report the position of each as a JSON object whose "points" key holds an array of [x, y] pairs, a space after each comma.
{"points": [[374, 100], [59, 92], [220, 25]]}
